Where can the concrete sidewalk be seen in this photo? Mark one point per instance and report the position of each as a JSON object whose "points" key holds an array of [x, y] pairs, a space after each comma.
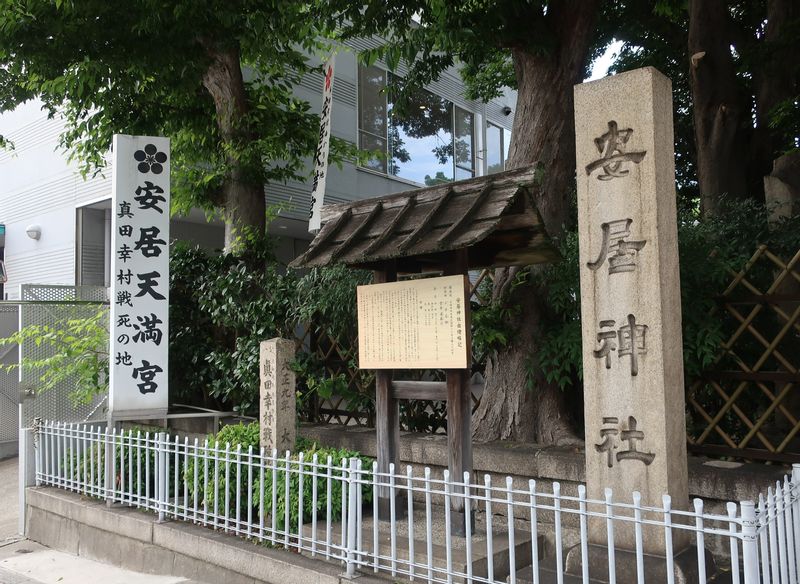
{"points": [[9, 508], [26, 562]]}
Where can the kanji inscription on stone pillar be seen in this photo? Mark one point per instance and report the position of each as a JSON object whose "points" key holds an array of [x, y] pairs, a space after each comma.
{"points": [[630, 297], [278, 407]]}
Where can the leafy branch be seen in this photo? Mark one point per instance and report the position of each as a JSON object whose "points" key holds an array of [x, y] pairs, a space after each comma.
{"points": [[77, 352]]}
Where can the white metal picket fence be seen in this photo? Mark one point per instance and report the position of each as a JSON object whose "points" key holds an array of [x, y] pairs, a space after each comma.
{"points": [[327, 508]]}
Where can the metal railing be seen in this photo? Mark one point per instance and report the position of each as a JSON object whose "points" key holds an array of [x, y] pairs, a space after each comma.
{"points": [[328, 507]]}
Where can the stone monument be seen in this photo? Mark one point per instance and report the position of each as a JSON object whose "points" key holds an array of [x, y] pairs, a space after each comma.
{"points": [[278, 408], [630, 301]]}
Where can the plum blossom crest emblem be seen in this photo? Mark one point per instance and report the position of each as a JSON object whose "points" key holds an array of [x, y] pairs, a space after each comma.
{"points": [[150, 159]]}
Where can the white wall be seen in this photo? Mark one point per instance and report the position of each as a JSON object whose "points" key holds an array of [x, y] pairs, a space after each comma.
{"points": [[39, 187]]}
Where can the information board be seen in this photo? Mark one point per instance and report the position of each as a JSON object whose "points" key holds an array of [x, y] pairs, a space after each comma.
{"points": [[416, 324]]}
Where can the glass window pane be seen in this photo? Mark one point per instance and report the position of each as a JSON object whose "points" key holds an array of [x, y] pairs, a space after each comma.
{"points": [[421, 139], [373, 144], [494, 149], [464, 140], [372, 100], [462, 173]]}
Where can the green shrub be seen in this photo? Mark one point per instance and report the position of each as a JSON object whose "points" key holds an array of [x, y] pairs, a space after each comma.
{"points": [[336, 457], [246, 435], [234, 435], [78, 460], [221, 308]]}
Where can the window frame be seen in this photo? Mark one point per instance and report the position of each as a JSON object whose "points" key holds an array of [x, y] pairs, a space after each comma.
{"points": [[386, 162], [456, 166], [360, 131], [502, 131]]}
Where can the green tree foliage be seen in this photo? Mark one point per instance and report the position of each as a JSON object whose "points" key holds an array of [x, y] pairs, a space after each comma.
{"points": [[758, 35], [326, 298], [214, 76], [428, 36], [77, 355], [221, 307], [325, 302]]}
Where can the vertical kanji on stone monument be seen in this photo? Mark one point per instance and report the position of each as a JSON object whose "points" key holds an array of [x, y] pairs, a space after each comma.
{"points": [[277, 406], [630, 296]]}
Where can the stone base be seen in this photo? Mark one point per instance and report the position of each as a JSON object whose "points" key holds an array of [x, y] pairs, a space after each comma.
{"points": [[458, 522], [385, 507], [458, 556], [458, 519], [655, 568]]}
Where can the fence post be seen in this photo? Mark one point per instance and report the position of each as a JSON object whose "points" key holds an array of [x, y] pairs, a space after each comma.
{"points": [[352, 517], [37, 446], [161, 473], [749, 542], [796, 509], [27, 472], [109, 474]]}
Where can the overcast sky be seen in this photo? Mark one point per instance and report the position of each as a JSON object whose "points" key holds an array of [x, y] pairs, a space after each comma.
{"points": [[604, 61]]}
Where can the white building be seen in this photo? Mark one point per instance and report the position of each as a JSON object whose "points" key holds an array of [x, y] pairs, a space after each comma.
{"points": [[57, 225]]}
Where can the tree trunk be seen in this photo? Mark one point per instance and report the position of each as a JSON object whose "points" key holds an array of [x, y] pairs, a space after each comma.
{"points": [[775, 81], [517, 403], [243, 199], [719, 107]]}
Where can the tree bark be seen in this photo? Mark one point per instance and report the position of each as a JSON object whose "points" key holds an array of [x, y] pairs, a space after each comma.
{"points": [[243, 199], [775, 81], [517, 403], [719, 106]]}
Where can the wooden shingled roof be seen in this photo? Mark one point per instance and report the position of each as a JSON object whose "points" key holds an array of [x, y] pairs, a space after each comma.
{"points": [[494, 217]]}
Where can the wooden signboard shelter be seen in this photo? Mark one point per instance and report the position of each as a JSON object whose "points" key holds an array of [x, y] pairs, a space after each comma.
{"points": [[447, 229]]}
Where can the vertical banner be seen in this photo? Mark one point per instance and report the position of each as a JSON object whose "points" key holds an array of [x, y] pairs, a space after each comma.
{"points": [[139, 277], [321, 155]]}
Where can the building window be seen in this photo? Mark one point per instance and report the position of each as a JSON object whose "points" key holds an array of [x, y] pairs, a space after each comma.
{"points": [[421, 139], [464, 144], [372, 115], [495, 149], [429, 142]]}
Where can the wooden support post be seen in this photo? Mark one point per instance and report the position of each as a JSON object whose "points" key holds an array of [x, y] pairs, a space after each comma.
{"points": [[459, 410], [387, 422]]}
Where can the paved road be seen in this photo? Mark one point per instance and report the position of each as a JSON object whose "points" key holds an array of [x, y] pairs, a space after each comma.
{"points": [[26, 562]]}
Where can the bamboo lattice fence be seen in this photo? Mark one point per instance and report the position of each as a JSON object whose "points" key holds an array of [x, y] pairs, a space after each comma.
{"points": [[747, 404]]}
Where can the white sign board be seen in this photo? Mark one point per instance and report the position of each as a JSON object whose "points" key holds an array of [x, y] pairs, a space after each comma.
{"points": [[139, 277], [321, 155], [416, 324]]}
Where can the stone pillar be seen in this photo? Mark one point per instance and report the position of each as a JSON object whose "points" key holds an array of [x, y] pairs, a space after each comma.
{"points": [[782, 188], [630, 298], [278, 406]]}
